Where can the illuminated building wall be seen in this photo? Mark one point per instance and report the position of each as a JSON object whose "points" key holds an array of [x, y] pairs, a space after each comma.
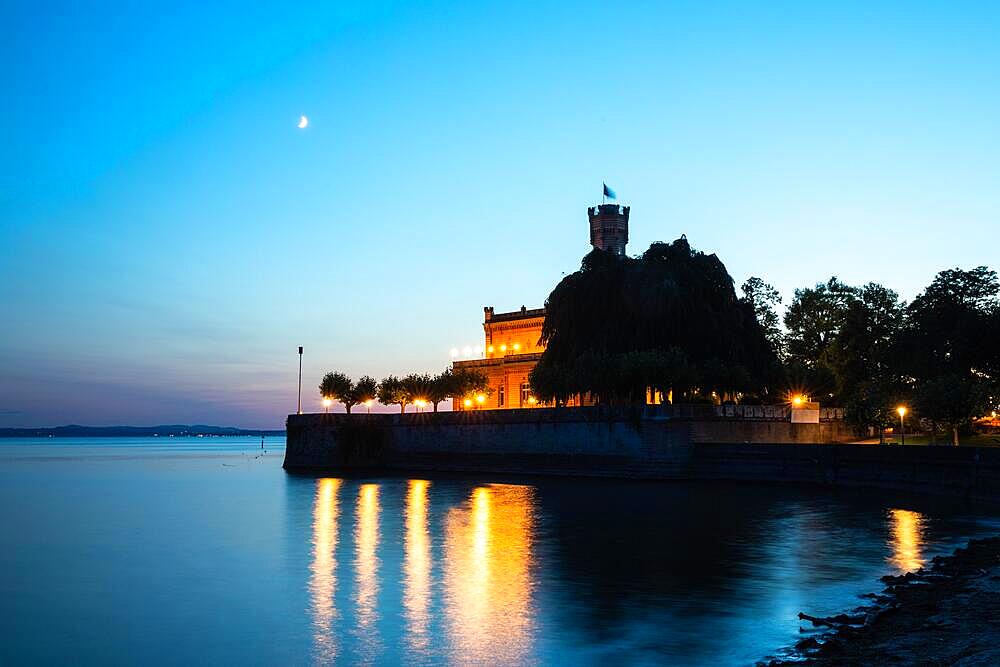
{"points": [[512, 349]]}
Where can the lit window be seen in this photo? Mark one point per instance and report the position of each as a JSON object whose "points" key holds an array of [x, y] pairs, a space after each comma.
{"points": [[525, 393], [500, 397]]}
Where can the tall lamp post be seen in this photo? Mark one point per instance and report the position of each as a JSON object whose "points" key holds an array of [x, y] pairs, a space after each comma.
{"points": [[299, 408], [902, 427]]}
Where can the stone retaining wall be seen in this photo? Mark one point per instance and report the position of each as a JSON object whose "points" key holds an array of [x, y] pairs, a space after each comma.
{"points": [[656, 442]]}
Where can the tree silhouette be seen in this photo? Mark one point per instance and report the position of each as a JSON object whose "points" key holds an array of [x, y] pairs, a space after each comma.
{"points": [[364, 390], [417, 387], [469, 382], [947, 350], [391, 392], [336, 386], [617, 324], [764, 300]]}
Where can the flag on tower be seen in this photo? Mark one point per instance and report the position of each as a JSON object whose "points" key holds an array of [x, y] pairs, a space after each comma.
{"points": [[608, 192]]}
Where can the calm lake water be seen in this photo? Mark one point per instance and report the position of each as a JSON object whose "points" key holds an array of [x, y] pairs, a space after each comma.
{"points": [[188, 550]]}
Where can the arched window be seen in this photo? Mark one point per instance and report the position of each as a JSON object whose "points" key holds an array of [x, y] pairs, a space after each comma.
{"points": [[500, 397]]}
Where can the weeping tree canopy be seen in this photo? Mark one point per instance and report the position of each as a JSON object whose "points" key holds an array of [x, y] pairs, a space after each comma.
{"points": [[668, 320]]}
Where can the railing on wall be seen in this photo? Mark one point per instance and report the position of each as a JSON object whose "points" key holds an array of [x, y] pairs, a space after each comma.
{"points": [[742, 412]]}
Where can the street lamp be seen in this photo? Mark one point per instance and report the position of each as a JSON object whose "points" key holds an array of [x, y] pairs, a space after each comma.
{"points": [[326, 404], [368, 404], [902, 427], [299, 408]]}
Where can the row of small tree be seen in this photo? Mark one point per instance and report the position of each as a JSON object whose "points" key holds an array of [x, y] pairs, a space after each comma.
{"points": [[624, 378], [402, 391]]}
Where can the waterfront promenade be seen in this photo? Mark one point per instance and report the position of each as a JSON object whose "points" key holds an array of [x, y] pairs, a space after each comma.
{"points": [[653, 442]]}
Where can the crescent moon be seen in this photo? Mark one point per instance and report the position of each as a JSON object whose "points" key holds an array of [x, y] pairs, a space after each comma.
{"points": [[303, 122]]}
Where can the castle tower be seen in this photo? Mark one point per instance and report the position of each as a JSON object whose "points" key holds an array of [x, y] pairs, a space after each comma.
{"points": [[609, 227]]}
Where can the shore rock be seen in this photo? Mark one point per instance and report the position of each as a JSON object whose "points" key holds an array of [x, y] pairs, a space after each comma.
{"points": [[947, 614]]}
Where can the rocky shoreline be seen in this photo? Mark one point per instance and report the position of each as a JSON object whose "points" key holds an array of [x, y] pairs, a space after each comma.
{"points": [[944, 614]]}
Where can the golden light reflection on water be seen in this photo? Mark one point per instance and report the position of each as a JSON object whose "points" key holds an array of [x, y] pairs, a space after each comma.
{"points": [[488, 579], [417, 567], [907, 535], [366, 563], [323, 581]]}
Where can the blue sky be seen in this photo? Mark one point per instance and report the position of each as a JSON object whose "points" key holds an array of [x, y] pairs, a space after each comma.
{"points": [[169, 236]]}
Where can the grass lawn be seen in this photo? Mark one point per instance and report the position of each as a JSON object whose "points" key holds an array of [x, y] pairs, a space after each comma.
{"points": [[974, 440]]}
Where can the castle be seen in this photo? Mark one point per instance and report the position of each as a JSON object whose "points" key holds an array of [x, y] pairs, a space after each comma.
{"points": [[513, 340]]}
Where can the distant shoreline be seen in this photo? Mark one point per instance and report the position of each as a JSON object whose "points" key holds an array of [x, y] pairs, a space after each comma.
{"points": [[166, 430]]}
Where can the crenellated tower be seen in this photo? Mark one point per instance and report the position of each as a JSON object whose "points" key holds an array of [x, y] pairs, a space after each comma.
{"points": [[609, 227]]}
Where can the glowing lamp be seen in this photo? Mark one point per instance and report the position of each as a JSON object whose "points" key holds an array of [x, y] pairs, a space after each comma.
{"points": [[902, 411], [517, 346], [503, 348], [467, 403], [480, 398], [490, 349], [797, 400], [532, 400]]}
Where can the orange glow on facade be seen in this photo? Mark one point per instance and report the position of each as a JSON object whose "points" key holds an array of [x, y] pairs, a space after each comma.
{"points": [[323, 578], [513, 346], [488, 582]]}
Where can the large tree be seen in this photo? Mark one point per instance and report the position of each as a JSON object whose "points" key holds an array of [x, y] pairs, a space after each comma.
{"points": [[948, 350], [765, 301], [866, 380], [814, 319], [608, 325]]}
